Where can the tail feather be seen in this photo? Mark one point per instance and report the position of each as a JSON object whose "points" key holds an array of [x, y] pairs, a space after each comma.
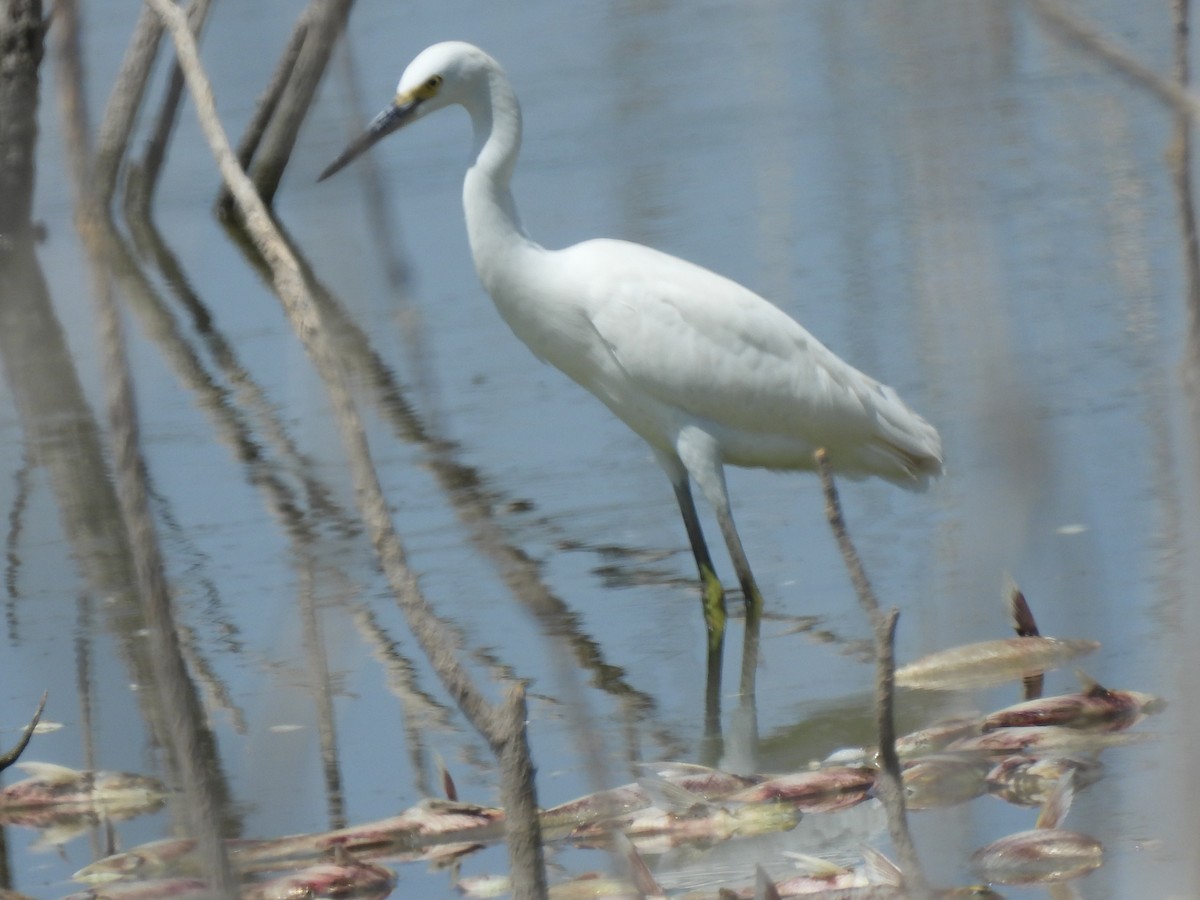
{"points": [[909, 442]]}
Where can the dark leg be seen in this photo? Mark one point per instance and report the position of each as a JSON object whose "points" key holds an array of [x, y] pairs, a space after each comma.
{"points": [[753, 599], [700, 458], [712, 594], [712, 601], [744, 722], [704, 465]]}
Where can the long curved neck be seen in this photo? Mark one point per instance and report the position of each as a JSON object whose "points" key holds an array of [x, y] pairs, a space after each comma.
{"points": [[493, 225]]}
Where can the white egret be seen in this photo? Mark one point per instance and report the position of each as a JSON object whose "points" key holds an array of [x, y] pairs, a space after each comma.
{"points": [[707, 372]]}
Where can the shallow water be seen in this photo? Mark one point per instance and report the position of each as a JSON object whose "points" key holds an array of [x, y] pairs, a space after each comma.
{"points": [[948, 197]]}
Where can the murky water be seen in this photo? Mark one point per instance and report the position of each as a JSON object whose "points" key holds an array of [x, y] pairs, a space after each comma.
{"points": [[949, 198]]}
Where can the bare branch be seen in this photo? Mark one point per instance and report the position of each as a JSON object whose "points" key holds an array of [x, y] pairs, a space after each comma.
{"points": [[325, 19], [143, 178], [14, 754], [191, 742], [21, 37], [124, 102], [267, 104], [1080, 33]]}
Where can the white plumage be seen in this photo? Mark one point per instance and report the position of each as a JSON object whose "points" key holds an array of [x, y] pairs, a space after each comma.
{"points": [[705, 370]]}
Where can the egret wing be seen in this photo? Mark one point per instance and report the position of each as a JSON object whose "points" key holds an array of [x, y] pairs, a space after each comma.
{"points": [[709, 347]]}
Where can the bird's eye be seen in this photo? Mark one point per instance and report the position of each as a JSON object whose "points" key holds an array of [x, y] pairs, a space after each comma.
{"points": [[428, 87]]}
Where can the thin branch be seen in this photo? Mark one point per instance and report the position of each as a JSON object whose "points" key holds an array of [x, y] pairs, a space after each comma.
{"points": [[143, 178], [123, 104], [69, 82], [14, 754], [22, 46], [326, 20], [320, 684], [890, 787], [1180, 161], [191, 742], [12, 545], [1080, 33], [267, 104]]}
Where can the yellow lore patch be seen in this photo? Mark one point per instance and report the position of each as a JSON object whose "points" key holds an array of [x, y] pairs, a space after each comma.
{"points": [[424, 91]]}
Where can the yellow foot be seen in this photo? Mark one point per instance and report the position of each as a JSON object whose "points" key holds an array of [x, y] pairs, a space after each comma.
{"points": [[713, 601]]}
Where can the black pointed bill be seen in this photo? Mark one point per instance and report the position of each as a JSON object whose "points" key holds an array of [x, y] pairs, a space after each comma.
{"points": [[391, 119]]}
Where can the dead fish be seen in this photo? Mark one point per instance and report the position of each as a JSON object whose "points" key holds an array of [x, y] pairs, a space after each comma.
{"points": [[938, 735], [151, 860], [1045, 854], [1095, 707], [158, 889], [819, 790], [588, 886], [878, 879], [484, 887], [656, 830], [1038, 856], [594, 886], [410, 831], [817, 876], [874, 892], [990, 662], [885, 875], [1043, 740], [64, 803], [681, 817], [943, 780], [342, 877], [59, 786], [595, 807], [705, 782], [1026, 781], [431, 818], [59, 825]]}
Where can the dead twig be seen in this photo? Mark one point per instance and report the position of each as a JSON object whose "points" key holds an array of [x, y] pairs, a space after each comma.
{"points": [[69, 80], [267, 104], [143, 177], [890, 787], [14, 754], [1082, 34], [325, 20], [124, 102], [21, 37], [1180, 159], [191, 742]]}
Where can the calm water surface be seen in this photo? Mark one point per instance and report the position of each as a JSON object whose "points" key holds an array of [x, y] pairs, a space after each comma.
{"points": [[947, 197]]}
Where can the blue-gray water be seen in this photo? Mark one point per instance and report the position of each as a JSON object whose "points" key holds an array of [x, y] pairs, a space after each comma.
{"points": [[948, 197]]}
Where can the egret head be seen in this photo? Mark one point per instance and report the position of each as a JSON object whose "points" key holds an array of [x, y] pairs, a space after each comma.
{"points": [[440, 76]]}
